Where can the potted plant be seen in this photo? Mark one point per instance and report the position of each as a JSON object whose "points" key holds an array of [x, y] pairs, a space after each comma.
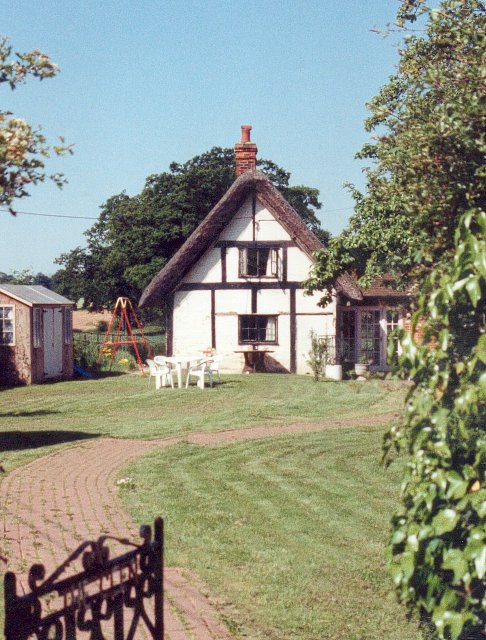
{"points": [[333, 369], [362, 367]]}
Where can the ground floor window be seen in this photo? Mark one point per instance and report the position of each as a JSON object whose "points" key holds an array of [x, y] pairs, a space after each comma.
{"points": [[257, 328], [7, 325], [364, 334]]}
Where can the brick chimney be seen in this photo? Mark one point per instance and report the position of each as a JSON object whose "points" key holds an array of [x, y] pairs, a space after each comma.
{"points": [[245, 152]]}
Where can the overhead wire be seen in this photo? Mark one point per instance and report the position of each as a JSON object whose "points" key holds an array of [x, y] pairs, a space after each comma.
{"points": [[59, 215], [49, 215]]}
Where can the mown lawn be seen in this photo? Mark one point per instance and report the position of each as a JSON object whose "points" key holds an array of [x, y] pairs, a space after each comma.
{"points": [[36, 419], [288, 532]]}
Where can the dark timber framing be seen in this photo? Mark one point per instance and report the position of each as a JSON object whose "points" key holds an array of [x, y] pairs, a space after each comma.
{"points": [[272, 244], [213, 318], [293, 333], [254, 298], [223, 264], [169, 325], [208, 286], [253, 215]]}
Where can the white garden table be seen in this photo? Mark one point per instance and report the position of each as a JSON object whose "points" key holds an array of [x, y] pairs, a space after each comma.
{"points": [[181, 362]]}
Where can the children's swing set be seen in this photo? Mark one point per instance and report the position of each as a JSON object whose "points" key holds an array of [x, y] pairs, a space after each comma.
{"points": [[120, 332]]}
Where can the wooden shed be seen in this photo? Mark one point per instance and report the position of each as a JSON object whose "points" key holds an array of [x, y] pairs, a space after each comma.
{"points": [[36, 336]]}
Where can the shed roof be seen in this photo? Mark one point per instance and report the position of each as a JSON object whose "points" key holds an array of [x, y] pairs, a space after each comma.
{"points": [[207, 232], [33, 294]]}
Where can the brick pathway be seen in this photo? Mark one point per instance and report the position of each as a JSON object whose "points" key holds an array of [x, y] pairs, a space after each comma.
{"points": [[59, 500]]}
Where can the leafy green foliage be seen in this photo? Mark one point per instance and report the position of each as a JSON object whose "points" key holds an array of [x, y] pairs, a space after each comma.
{"points": [[26, 276], [135, 236], [427, 153], [317, 356], [23, 149], [438, 548], [422, 219]]}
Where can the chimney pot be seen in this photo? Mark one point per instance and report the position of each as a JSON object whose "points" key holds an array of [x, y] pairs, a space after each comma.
{"points": [[245, 132], [245, 152]]}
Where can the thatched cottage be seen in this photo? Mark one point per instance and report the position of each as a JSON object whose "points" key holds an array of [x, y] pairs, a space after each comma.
{"points": [[236, 286]]}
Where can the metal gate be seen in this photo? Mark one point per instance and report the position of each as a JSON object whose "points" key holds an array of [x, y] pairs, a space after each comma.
{"points": [[109, 598]]}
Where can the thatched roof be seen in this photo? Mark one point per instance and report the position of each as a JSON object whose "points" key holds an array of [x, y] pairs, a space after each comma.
{"points": [[213, 224]]}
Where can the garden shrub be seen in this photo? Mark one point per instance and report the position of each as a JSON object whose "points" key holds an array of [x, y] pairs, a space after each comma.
{"points": [[86, 351], [437, 553], [317, 355]]}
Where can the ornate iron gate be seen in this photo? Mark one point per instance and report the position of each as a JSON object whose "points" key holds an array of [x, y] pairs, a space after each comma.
{"points": [[107, 593]]}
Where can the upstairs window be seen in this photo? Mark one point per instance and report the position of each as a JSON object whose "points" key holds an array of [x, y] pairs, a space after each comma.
{"points": [[7, 325], [257, 328], [262, 262]]}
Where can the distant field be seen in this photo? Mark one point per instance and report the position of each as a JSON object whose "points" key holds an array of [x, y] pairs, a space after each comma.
{"points": [[87, 320]]}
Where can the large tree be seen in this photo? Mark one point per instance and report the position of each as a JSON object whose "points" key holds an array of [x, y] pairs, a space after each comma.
{"points": [[25, 276], [427, 151], [135, 236], [422, 218], [23, 148]]}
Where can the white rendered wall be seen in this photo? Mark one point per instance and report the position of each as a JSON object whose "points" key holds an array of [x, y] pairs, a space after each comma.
{"points": [[191, 322], [207, 268], [298, 265], [240, 227], [192, 309], [266, 227]]}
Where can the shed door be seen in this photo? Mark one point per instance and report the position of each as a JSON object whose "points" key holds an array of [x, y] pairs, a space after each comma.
{"points": [[52, 342]]}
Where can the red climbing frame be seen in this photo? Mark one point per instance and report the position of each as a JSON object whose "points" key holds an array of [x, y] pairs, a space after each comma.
{"points": [[121, 326]]}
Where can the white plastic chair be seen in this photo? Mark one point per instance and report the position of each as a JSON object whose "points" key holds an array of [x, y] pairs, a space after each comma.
{"points": [[160, 372], [199, 371], [215, 365], [161, 361]]}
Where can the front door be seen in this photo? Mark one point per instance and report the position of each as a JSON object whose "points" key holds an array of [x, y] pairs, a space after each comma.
{"points": [[364, 332], [370, 338], [52, 342]]}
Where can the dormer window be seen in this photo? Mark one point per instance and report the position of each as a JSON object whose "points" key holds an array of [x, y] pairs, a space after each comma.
{"points": [[260, 262]]}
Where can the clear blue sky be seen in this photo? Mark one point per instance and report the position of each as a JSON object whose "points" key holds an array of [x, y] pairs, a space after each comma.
{"points": [[145, 83]]}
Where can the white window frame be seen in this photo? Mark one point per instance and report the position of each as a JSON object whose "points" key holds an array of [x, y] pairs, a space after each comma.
{"points": [[37, 327], [68, 325], [272, 316], [274, 262], [2, 331]]}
